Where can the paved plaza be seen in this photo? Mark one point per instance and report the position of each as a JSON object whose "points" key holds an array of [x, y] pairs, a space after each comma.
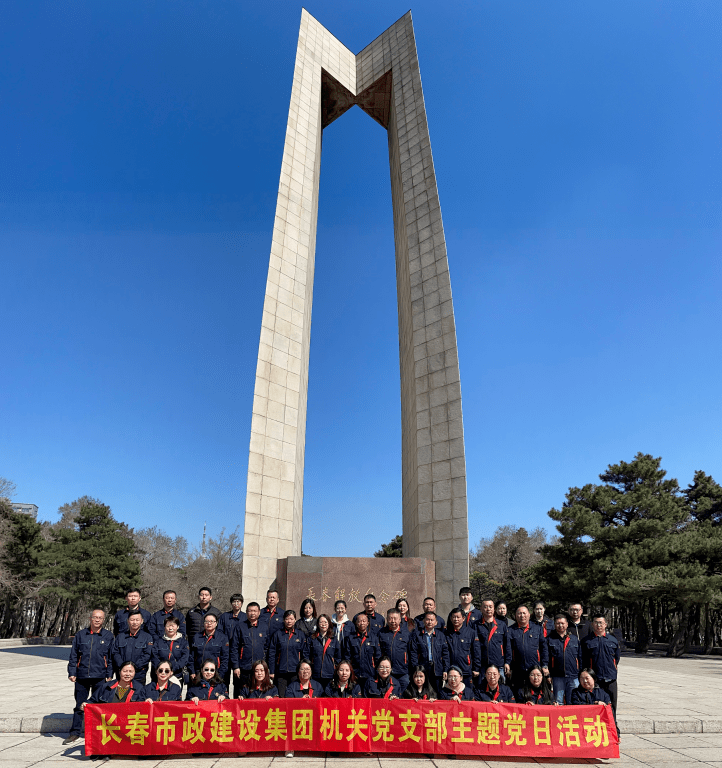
{"points": [[670, 713]]}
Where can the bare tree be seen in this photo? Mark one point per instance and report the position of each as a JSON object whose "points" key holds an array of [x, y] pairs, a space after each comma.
{"points": [[7, 488], [505, 556]]}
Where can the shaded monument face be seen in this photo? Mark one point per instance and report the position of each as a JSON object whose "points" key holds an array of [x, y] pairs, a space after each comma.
{"points": [[384, 81]]}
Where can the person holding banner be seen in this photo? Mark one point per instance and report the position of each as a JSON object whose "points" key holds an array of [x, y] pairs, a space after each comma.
{"points": [[288, 647], [491, 689], [173, 648], [163, 689], [419, 688], [454, 688], [382, 686], [210, 687], [324, 651], [261, 686], [119, 691], [588, 691], [537, 688], [362, 649], [303, 687], [343, 685]]}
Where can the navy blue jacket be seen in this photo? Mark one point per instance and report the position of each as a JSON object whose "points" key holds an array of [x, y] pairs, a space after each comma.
{"points": [[249, 643], [502, 694], [419, 653], [294, 690], [580, 696], [468, 694], [376, 621], [350, 692], [105, 692], [176, 652], [495, 645], [195, 619], [120, 620], [228, 623], [206, 691], [440, 623], [323, 662], [602, 654], [565, 655], [374, 690], [395, 645], [135, 648], [90, 655], [172, 693], [527, 648], [363, 651], [349, 628], [472, 617], [546, 625], [155, 625], [286, 651], [535, 697], [214, 647], [464, 649], [273, 621], [257, 693]]}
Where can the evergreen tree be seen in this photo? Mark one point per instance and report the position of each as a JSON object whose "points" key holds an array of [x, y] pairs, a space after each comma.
{"points": [[395, 548]]}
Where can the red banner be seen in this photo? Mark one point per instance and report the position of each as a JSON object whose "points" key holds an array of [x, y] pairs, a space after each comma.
{"points": [[350, 725]]}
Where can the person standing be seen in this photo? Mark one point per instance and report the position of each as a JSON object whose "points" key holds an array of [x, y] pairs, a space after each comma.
{"points": [[494, 641], [90, 664], [362, 649], [248, 646], [272, 615], [172, 647], [195, 617], [306, 624], [471, 614], [502, 613], [155, 627], [394, 641], [209, 644], [541, 619], [120, 620], [228, 624], [285, 652], [577, 625], [565, 660], [429, 604], [464, 646], [429, 649], [135, 645], [492, 689], [602, 653], [323, 651], [376, 620], [528, 648], [341, 622]]}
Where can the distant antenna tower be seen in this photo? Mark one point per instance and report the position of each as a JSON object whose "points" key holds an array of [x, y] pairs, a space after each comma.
{"points": [[205, 557]]}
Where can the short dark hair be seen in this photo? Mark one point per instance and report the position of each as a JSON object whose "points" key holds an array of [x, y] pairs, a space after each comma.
{"points": [[236, 596], [599, 615], [125, 664], [271, 591], [339, 602], [428, 597], [487, 600], [455, 610], [369, 595], [169, 592], [464, 591], [171, 620], [131, 590], [253, 604], [205, 589], [304, 660], [561, 616], [135, 612], [393, 610], [589, 671], [429, 613], [289, 612], [539, 602]]}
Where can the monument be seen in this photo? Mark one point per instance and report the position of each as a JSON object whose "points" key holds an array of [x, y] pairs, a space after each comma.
{"points": [[383, 80]]}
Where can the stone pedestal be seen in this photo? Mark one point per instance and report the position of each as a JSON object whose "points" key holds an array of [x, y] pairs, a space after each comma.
{"points": [[327, 579]]}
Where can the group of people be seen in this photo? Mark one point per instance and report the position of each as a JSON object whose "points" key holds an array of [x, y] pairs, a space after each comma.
{"points": [[477, 654]]}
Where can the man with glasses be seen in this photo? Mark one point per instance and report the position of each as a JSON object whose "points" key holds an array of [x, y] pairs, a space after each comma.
{"points": [[601, 652]]}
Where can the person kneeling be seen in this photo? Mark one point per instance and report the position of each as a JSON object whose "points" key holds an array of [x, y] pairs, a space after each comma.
{"points": [[261, 686], [383, 686], [588, 691], [210, 687], [454, 689], [343, 685], [537, 689], [118, 691], [163, 689], [419, 689], [492, 690]]}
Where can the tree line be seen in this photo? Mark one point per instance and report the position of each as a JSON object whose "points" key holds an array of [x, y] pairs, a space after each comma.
{"points": [[53, 574]]}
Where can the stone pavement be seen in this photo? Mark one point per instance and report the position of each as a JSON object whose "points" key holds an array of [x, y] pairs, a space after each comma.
{"points": [[22, 750]]}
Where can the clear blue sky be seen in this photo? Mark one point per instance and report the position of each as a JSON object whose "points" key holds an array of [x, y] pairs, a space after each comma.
{"points": [[577, 150]]}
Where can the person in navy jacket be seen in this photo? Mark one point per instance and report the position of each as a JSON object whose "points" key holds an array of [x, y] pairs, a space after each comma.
{"points": [[343, 685], [362, 649], [430, 650], [134, 645], [588, 692], [471, 614], [120, 621], [541, 619], [248, 645], [429, 604], [494, 641], [155, 627], [492, 689], [602, 653], [565, 659], [376, 620], [287, 648], [171, 647], [383, 685], [228, 624], [272, 615], [209, 687], [163, 689], [210, 644], [394, 641], [304, 686], [342, 625], [527, 647], [454, 688], [90, 663], [119, 691], [419, 687], [261, 685], [324, 651], [464, 646], [536, 689]]}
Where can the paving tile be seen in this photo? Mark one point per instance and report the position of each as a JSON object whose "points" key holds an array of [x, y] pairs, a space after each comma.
{"points": [[704, 754], [656, 754]]}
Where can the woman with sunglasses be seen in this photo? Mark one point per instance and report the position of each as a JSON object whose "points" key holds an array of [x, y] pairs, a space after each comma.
{"points": [[163, 689], [210, 687]]}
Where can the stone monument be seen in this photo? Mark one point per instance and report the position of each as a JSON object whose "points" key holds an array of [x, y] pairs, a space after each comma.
{"points": [[383, 80]]}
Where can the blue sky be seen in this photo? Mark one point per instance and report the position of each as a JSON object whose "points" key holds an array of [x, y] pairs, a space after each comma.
{"points": [[577, 151]]}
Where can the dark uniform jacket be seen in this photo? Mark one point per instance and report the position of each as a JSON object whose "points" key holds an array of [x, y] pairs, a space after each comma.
{"points": [[472, 617], [363, 651], [495, 644], [546, 625], [155, 625], [257, 693], [152, 691], [349, 692], [286, 651], [228, 623], [565, 655], [440, 623], [419, 653], [195, 618], [249, 644], [104, 693], [120, 620], [580, 696], [176, 652], [602, 653], [395, 645], [581, 630], [272, 619], [294, 690], [527, 648], [214, 647], [534, 696], [90, 655], [206, 691], [464, 649], [324, 654], [376, 689], [468, 694], [502, 694], [136, 648], [376, 621]]}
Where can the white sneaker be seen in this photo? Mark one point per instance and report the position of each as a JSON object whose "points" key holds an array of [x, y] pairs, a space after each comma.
{"points": [[289, 754]]}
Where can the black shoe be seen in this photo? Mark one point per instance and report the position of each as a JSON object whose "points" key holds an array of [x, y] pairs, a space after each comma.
{"points": [[72, 737]]}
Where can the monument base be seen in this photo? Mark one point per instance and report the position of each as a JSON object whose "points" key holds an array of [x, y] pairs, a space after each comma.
{"points": [[327, 579]]}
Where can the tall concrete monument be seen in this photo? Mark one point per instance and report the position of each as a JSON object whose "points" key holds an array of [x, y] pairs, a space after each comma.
{"points": [[383, 80]]}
